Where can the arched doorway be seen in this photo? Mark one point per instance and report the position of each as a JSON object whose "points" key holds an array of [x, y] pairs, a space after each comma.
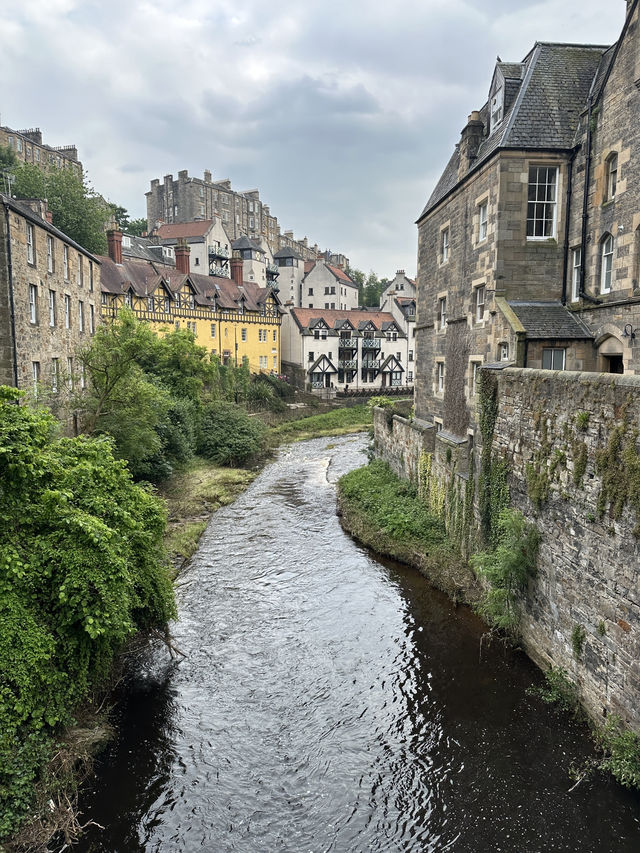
{"points": [[611, 355]]}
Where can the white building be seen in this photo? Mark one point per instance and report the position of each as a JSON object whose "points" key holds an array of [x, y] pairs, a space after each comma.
{"points": [[347, 350], [400, 286], [326, 286], [209, 243]]}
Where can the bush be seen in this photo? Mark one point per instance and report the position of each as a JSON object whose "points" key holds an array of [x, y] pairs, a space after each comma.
{"points": [[229, 436], [622, 752], [81, 569]]}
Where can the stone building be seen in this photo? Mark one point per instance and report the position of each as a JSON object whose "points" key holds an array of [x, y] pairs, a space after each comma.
{"points": [[358, 350], [235, 319], [28, 147], [242, 213], [49, 300]]}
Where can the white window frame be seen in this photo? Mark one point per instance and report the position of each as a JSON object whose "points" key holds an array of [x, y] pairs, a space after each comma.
{"points": [[80, 272], [444, 245], [576, 265], [65, 262], [35, 376], [92, 320], [52, 308], [483, 221], [67, 311], [442, 313], [440, 377], [80, 316], [542, 209], [478, 303], [475, 376], [31, 248], [49, 253], [606, 263], [70, 373], [243, 335], [611, 176], [54, 375], [33, 304], [504, 351]]}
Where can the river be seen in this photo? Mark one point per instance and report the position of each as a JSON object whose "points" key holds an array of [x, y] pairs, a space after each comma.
{"points": [[333, 703]]}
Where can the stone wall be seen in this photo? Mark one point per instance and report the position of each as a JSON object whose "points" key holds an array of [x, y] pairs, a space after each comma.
{"points": [[399, 442], [571, 443]]}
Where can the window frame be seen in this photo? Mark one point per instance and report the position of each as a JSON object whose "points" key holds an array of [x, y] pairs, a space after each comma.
{"points": [[442, 313], [483, 223], [576, 267], [536, 204], [606, 263], [33, 304], [553, 352], [444, 245], [31, 244], [479, 307], [610, 177]]}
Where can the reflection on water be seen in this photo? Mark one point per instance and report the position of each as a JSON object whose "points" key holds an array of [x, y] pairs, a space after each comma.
{"points": [[333, 704]]}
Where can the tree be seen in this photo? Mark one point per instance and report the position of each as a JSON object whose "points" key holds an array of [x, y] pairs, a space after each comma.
{"points": [[8, 159], [137, 227], [121, 216], [77, 210]]}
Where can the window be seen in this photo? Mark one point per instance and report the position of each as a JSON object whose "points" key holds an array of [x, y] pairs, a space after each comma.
{"points": [[18, 143], [553, 359], [606, 264], [213, 330], [65, 262], [31, 249], [67, 311], [275, 362], [442, 313], [35, 375], [444, 246], [54, 375], [83, 378], [49, 254], [310, 356], [81, 316], [197, 262], [167, 305], [52, 308], [33, 304], [482, 221], [410, 355], [497, 102], [479, 295], [244, 334], [611, 177], [576, 263], [542, 204], [410, 376], [275, 335], [92, 320], [90, 277], [503, 352], [475, 377], [69, 373], [399, 356], [440, 376], [80, 273], [310, 291]]}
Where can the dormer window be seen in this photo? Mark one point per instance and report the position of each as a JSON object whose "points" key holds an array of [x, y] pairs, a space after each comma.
{"points": [[497, 107]]}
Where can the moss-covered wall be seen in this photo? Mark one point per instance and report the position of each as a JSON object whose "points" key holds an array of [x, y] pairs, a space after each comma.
{"points": [[571, 444]]}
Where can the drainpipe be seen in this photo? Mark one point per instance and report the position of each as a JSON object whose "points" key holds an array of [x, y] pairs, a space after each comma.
{"points": [[12, 310], [585, 206], [565, 254]]}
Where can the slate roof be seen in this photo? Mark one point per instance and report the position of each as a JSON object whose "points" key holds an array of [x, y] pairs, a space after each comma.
{"points": [[287, 253], [337, 273], [547, 320], [245, 243], [145, 277], [24, 210], [545, 112]]}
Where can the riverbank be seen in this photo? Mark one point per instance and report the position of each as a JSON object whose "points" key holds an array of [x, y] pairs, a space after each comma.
{"points": [[386, 514]]}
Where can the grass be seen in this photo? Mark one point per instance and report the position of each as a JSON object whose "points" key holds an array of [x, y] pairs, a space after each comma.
{"points": [[335, 422], [385, 513], [191, 496]]}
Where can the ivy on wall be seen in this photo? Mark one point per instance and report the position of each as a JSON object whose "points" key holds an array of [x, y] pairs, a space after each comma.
{"points": [[493, 489]]}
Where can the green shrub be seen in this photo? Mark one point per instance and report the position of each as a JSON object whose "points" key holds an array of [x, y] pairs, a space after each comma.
{"points": [[81, 569], [621, 749], [229, 436], [507, 569], [558, 689]]}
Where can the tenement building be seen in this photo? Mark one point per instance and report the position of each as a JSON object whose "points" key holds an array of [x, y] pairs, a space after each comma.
{"points": [[49, 299], [242, 213], [529, 246], [235, 319], [28, 147]]}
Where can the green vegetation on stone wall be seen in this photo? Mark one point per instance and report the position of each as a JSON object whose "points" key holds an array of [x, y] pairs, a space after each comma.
{"points": [[493, 489]]}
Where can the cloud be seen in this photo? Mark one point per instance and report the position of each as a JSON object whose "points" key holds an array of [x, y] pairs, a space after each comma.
{"points": [[342, 114]]}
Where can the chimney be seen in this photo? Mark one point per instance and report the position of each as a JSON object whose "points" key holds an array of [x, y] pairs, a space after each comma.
{"points": [[114, 241], [182, 252], [48, 216], [207, 176], [236, 271], [469, 143]]}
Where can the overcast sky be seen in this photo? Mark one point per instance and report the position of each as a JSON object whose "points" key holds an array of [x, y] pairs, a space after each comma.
{"points": [[342, 114]]}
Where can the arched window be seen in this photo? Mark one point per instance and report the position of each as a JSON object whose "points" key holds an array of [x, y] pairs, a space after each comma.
{"points": [[610, 177], [606, 263]]}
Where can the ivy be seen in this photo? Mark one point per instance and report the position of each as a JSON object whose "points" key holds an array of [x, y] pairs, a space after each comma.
{"points": [[618, 465]]}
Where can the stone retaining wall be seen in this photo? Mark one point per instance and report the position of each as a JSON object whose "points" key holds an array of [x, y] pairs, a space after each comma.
{"points": [[400, 442]]}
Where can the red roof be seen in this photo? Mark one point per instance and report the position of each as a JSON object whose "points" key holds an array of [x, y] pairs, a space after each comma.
{"points": [[198, 228]]}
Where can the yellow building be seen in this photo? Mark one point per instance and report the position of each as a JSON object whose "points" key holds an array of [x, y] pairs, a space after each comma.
{"points": [[232, 318]]}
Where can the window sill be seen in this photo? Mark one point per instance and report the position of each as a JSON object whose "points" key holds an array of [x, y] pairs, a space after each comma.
{"points": [[544, 241]]}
